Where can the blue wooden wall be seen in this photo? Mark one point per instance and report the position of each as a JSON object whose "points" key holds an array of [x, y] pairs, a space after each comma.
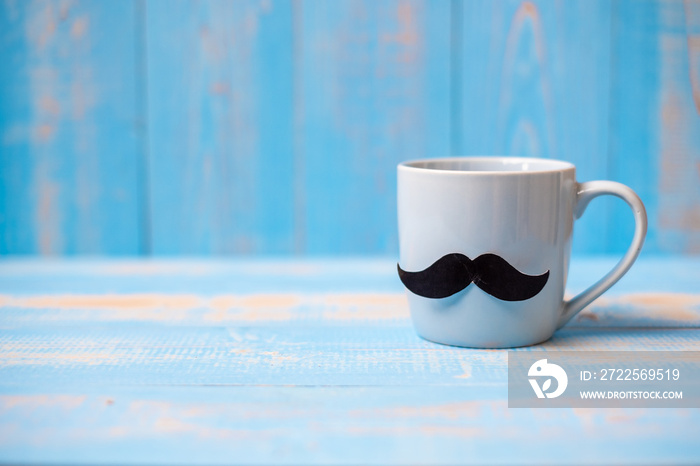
{"points": [[274, 127]]}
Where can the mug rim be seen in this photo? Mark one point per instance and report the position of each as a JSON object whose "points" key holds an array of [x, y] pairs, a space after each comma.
{"points": [[555, 166]]}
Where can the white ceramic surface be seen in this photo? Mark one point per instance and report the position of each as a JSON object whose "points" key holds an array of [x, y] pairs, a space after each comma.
{"points": [[518, 208]]}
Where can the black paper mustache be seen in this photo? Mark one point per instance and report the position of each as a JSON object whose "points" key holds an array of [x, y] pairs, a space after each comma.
{"points": [[454, 272]]}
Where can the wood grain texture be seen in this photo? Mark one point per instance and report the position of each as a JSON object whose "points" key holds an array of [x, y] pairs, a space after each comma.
{"points": [[304, 362], [679, 140], [220, 117], [533, 80], [655, 121], [634, 125], [70, 135], [375, 92], [284, 276], [333, 425], [274, 127]]}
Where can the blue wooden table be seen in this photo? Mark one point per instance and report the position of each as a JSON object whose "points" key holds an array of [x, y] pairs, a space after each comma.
{"points": [[305, 362]]}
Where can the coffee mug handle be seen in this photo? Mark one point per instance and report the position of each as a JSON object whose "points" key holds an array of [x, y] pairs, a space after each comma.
{"points": [[585, 193]]}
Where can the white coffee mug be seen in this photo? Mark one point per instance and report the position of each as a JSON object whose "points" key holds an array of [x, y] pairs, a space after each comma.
{"points": [[485, 245]]}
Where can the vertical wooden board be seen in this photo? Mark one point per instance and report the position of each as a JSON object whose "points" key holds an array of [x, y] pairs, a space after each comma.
{"points": [[221, 153], [70, 142], [678, 123], [533, 80], [376, 91], [655, 120], [634, 102]]}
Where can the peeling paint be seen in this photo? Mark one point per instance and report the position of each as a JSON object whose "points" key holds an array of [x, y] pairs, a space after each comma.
{"points": [[254, 307], [82, 95], [407, 36], [466, 370], [592, 419], [157, 417], [43, 133], [48, 215], [694, 62], [447, 411], [428, 430], [266, 6], [79, 27], [587, 314], [42, 28], [64, 402], [50, 106], [97, 302], [64, 10], [220, 88], [365, 307], [648, 309], [218, 308], [692, 25], [146, 268]]}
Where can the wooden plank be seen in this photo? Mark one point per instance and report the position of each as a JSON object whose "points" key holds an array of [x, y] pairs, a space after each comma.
{"points": [[638, 310], [295, 354], [254, 276], [330, 425], [282, 115], [678, 123], [322, 374], [634, 134], [313, 334], [532, 79], [375, 92], [655, 136], [70, 134], [248, 276], [220, 118]]}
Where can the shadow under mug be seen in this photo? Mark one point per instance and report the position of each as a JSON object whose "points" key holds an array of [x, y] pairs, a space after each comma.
{"points": [[485, 244]]}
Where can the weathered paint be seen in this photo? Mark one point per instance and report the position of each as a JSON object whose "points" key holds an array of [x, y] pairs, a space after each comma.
{"points": [[219, 308], [275, 127], [639, 309], [655, 120], [679, 140], [220, 118], [644, 310], [533, 80], [70, 140], [375, 92], [101, 366], [333, 425]]}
